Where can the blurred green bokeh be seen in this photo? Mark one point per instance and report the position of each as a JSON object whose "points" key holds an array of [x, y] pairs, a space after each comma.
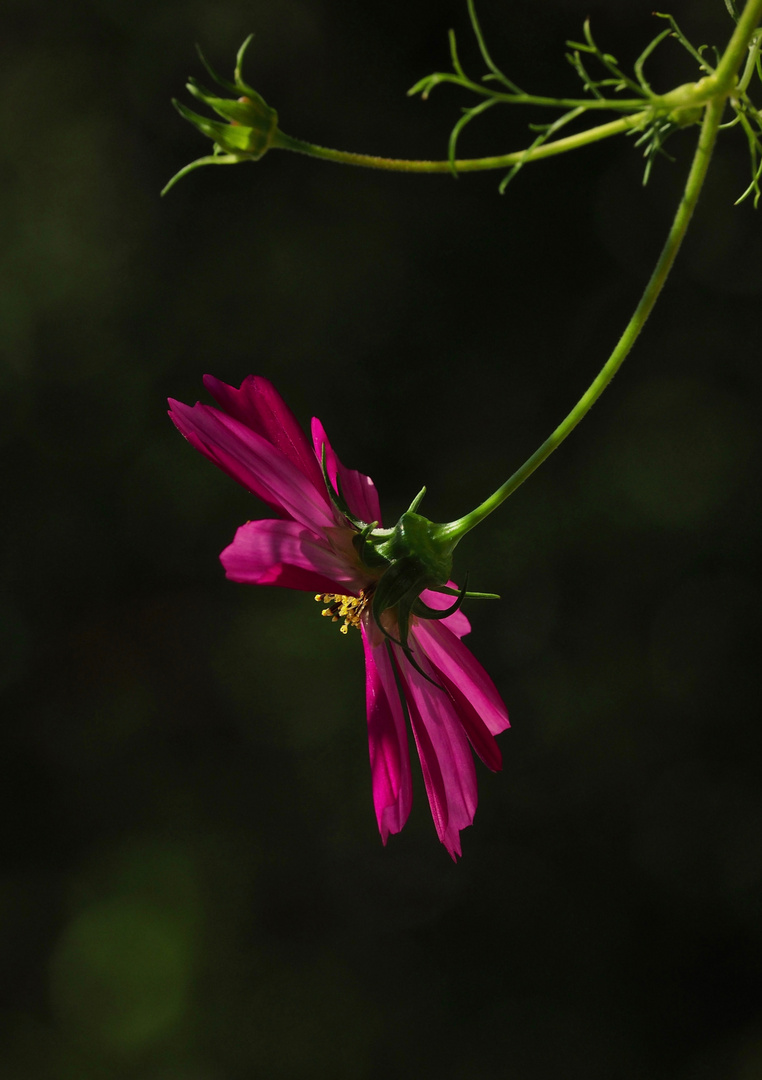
{"points": [[192, 886]]}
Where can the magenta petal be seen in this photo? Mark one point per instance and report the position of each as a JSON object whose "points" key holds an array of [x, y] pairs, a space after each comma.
{"points": [[259, 406], [285, 553], [387, 741], [446, 760], [253, 462], [479, 736], [459, 666], [358, 490]]}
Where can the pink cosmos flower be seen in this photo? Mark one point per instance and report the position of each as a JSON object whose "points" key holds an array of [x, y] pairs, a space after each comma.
{"points": [[435, 682]]}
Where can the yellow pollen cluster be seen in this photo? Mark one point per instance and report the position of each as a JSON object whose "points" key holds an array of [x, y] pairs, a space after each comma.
{"points": [[348, 608]]}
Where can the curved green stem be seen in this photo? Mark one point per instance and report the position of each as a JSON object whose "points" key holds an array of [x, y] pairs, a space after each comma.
{"points": [[712, 116], [501, 161], [632, 121], [722, 84]]}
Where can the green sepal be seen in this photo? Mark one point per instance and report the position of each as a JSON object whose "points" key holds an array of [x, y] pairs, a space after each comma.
{"points": [[423, 611], [238, 86], [235, 140], [399, 586], [253, 112], [412, 660], [234, 88], [469, 595], [397, 589], [239, 64], [251, 123], [417, 501], [366, 552], [336, 496], [397, 679], [398, 684], [417, 559], [210, 159]]}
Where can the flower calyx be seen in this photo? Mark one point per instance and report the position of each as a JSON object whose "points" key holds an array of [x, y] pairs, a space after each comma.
{"points": [[418, 556], [412, 557], [416, 560], [250, 126]]}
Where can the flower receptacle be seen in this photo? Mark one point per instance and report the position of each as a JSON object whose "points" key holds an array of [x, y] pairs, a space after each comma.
{"points": [[417, 543]]}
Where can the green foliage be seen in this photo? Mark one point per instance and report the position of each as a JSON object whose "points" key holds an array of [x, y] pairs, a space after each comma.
{"points": [[655, 117]]}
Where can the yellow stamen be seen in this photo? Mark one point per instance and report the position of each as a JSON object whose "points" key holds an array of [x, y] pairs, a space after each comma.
{"points": [[348, 608]]}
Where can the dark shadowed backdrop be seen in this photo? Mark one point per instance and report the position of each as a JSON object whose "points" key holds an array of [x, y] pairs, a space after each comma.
{"points": [[192, 886]]}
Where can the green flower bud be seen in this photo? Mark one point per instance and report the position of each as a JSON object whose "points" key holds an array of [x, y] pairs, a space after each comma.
{"points": [[250, 126], [251, 122]]}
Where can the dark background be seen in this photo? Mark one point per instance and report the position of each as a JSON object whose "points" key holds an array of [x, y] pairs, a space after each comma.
{"points": [[193, 887]]}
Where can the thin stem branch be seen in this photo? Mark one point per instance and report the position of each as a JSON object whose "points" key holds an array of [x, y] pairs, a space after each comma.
{"points": [[605, 104], [731, 59]]}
